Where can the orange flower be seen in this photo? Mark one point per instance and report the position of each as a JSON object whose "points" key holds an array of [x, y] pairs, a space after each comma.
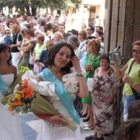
{"points": [[11, 108], [28, 92], [18, 103]]}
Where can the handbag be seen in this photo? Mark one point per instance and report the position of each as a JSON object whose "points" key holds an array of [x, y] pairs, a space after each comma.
{"points": [[136, 94]]}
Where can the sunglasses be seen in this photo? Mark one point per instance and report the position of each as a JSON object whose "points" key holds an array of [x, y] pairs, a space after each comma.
{"points": [[136, 51]]}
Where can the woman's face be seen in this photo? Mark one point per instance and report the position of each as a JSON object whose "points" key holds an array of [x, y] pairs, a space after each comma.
{"points": [[5, 55], [62, 57], [2, 30], [11, 25], [26, 35], [92, 47], [39, 40], [104, 64], [136, 52], [80, 36], [57, 38]]}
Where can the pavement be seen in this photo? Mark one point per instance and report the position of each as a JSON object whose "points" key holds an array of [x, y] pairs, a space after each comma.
{"points": [[30, 126]]}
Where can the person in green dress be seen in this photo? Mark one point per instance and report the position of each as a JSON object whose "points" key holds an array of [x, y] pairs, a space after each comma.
{"points": [[92, 62]]}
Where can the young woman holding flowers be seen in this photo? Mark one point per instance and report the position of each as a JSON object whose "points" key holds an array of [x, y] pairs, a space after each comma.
{"points": [[10, 128], [59, 62]]}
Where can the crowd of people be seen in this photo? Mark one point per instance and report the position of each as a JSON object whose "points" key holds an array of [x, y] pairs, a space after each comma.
{"points": [[50, 52], [29, 36]]}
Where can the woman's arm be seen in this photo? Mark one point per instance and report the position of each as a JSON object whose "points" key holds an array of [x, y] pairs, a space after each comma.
{"points": [[119, 72], [16, 77], [113, 96], [16, 45], [14, 69], [83, 89], [19, 41], [39, 79], [28, 47], [54, 119], [34, 57]]}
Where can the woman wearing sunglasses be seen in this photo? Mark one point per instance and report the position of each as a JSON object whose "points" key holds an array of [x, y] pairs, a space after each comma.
{"points": [[130, 75]]}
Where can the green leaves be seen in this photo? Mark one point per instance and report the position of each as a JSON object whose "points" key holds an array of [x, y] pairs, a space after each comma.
{"points": [[34, 4]]}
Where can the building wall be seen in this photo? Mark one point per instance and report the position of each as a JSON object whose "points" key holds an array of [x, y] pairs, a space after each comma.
{"points": [[96, 9], [122, 26]]}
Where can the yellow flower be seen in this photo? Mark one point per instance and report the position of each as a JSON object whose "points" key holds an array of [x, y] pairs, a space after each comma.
{"points": [[23, 69], [18, 96], [22, 95]]}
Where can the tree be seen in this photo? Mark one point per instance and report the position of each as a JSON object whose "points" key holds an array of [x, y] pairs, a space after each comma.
{"points": [[25, 5]]}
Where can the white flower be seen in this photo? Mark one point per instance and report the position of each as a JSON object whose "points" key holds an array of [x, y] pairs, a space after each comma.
{"points": [[71, 82], [90, 83]]}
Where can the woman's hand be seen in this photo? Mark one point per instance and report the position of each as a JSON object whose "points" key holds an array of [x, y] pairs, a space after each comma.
{"points": [[127, 79], [58, 119], [76, 64], [89, 67], [11, 46], [112, 97], [110, 100], [43, 116], [41, 64]]}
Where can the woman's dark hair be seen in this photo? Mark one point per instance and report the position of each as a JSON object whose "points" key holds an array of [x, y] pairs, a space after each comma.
{"points": [[8, 22], [4, 47], [55, 50], [48, 26], [100, 27], [75, 32], [42, 22], [134, 110], [91, 28], [104, 56], [28, 31], [128, 130]]}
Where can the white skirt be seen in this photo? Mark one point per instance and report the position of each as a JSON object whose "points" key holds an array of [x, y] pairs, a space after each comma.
{"points": [[15, 58], [10, 127], [56, 132]]}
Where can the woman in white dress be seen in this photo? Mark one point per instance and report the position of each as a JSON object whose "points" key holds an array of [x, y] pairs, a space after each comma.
{"points": [[10, 127], [59, 65]]}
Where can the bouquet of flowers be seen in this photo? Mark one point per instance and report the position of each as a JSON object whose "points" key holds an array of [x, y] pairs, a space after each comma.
{"points": [[26, 99]]}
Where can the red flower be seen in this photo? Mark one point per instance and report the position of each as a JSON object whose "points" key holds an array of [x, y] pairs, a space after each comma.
{"points": [[28, 92], [24, 84]]}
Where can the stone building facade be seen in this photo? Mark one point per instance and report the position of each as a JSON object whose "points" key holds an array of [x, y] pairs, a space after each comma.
{"points": [[122, 25]]}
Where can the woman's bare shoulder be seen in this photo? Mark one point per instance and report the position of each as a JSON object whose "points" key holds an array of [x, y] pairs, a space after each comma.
{"points": [[13, 69]]}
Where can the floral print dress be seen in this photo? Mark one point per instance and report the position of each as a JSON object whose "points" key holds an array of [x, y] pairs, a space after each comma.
{"points": [[103, 111]]}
